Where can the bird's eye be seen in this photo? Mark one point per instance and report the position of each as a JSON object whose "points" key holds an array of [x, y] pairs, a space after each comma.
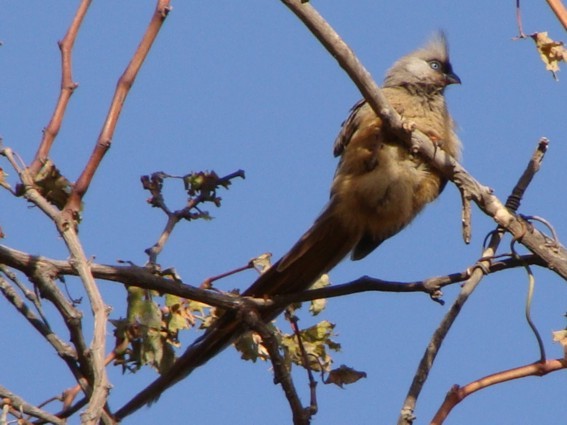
{"points": [[435, 65]]}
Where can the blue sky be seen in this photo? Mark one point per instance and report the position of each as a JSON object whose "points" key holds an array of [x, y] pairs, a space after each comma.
{"points": [[243, 85]]}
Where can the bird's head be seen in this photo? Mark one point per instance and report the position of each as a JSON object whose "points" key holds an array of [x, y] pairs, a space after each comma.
{"points": [[425, 70]]}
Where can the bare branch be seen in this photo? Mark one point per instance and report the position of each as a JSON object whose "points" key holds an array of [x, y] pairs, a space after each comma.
{"points": [[122, 89], [458, 394], [282, 376], [406, 416], [306, 364], [18, 403], [521, 33], [347, 60], [144, 278], [68, 87], [92, 359], [127, 275], [466, 217], [429, 286], [97, 348], [65, 351], [559, 10]]}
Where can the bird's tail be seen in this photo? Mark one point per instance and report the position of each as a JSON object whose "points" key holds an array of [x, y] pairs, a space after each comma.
{"points": [[324, 245], [320, 249]]}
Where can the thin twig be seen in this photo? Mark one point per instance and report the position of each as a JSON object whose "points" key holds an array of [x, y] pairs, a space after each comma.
{"points": [[521, 33], [21, 405], [70, 394], [68, 87], [208, 282], [29, 294], [407, 413], [154, 184], [458, 394], [306, 364], [64, 350], [431, 286], [528, 308], [122, 89], [559, 10], [157, 248], [282, 375]]}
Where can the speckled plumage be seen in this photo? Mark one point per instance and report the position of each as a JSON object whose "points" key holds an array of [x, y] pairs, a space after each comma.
{"points": [[378, 188]]}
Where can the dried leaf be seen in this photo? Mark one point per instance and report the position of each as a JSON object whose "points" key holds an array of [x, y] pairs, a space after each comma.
{"points": [[344, 375], [317, 306], [53, 185], [262, 262], [3, 176], [551, 52], [561, 338]]}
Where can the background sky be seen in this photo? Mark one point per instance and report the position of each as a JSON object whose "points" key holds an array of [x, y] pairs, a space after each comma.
{"points": [[244, 85]]}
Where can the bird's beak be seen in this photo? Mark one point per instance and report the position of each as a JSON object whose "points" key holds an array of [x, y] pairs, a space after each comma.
{"points": [[452, 78]]}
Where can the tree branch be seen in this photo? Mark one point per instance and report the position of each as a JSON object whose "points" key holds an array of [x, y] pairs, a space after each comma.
{"points": [[144, 278], [282, 376], [122, 89], [92, 359], [127, 275], [559, 10], [64, 350], [407, 413], [429, 286], [97, 349], [19, 404], [68, 87], [458, 394]]}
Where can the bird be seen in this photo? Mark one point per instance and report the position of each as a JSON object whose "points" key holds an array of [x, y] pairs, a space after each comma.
{"points": [[378, 188]]}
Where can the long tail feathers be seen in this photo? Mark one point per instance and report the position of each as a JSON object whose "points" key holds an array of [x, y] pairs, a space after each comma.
{"points": [[324, 245]]}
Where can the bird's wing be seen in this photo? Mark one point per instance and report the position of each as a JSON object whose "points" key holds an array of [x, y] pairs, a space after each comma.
{"points": [[348, 127]]}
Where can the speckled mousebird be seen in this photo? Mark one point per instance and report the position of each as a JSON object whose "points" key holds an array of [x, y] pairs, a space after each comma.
{"points": [[378, 189]]}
